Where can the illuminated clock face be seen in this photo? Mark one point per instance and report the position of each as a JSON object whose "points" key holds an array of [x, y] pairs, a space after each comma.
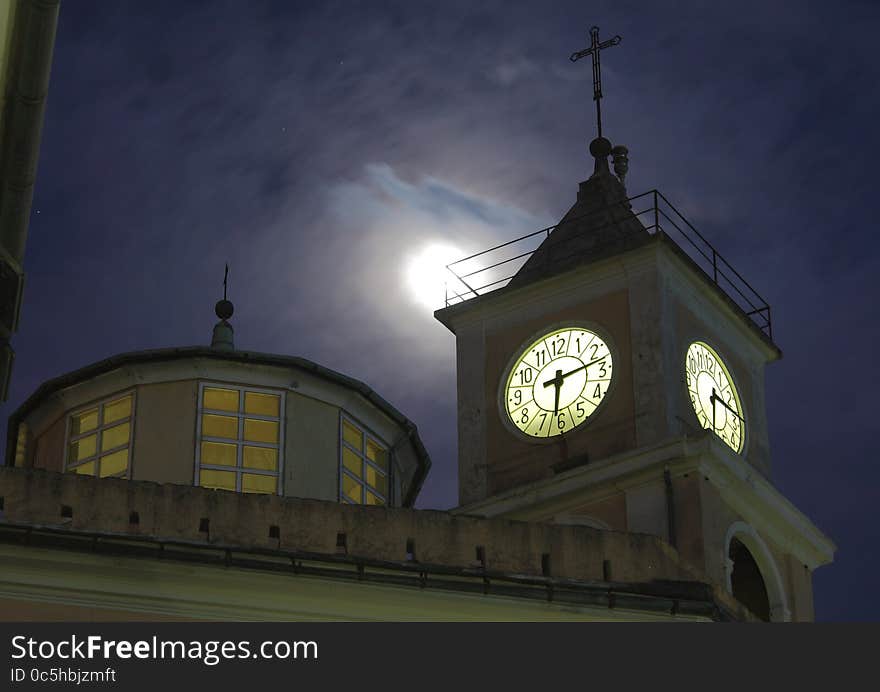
{"points": [[558, 382], [714, 396]]}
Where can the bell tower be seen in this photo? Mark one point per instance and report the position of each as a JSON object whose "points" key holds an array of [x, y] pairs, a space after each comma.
{"points": [[617, 380]]}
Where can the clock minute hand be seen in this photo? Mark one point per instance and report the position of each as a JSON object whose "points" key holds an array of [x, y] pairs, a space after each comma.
{"points": [[721, 401], [560, 377], [583, 367]]}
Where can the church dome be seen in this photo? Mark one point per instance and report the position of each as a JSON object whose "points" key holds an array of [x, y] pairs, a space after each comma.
{"points": [[226, 419]]}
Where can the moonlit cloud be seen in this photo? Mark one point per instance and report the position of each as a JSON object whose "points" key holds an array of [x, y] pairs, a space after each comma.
{"points": [[386, 222]]}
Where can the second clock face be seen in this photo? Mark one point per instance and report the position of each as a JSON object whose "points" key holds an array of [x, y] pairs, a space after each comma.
{"points": [[558, 382], [714, 396]]}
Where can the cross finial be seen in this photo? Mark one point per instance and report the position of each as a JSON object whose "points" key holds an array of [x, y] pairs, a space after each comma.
{"points": [[593, 51]]}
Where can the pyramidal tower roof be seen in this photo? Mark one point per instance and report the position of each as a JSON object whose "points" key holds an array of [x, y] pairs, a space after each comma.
{"points": [[599, 224]]}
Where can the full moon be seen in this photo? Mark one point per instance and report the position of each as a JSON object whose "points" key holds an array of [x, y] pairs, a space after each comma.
{"points": [[427, 276]]}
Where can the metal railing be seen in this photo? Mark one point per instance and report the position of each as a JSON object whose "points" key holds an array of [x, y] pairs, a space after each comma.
{"points": [[492, 269]]}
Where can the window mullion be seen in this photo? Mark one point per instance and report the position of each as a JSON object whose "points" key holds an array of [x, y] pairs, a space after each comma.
{"points": [[101, 426], [238, 444], [99, 439], [366, 464], [241, 415], [87, 460], [117, 448], [373, 465]]}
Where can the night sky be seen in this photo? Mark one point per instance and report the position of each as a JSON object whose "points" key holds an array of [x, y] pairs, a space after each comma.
{"points": [[319, 148]]}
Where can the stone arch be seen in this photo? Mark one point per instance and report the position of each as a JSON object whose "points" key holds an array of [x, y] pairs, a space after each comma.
{"points": [[759, 552]]}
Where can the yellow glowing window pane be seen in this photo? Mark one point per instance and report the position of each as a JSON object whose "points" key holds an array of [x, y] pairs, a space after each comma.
{"points": [[260, 431], [377, 455], [218, 454], [374, 499], [114, 463], [262, 404], [221, 399], [117, 410], [252, 483], [351, 489], [83, 422], [220, 426], [261, 458], [377, 480], [352, 435], [21, 444], [224, 480], [85, 469], [352, 462], [115, 436], [82, 449]]}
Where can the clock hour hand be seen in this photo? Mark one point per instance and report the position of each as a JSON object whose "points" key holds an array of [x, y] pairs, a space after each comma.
{"points": [[558, 381]]}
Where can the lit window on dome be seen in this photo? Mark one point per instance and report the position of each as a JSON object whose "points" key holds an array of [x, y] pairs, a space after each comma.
{"points": [[261, 431], [261, 404], [253, 483], [218, 454], [115, 437], [117, 410], [363, 467], [114, 464], [21, 444], [220, 480], [220, 426], [239, 439], [99, 438], [263, 458], [220, 399]]}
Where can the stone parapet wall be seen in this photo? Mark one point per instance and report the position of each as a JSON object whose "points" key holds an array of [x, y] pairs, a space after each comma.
{"points": [[178, 512]]}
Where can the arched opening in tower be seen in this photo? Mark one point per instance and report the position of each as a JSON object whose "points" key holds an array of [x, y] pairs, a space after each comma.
{"points": [[746, 581]]}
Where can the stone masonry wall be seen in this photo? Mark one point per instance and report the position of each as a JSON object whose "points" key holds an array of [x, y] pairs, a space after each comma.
{"points": [[38, 497]]}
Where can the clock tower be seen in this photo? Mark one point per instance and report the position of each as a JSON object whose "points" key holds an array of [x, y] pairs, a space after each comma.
{"points": [[659, 429]]}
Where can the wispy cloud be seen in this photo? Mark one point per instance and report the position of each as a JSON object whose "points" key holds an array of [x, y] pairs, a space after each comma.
{"points": [[380, 223], [512, 71]]}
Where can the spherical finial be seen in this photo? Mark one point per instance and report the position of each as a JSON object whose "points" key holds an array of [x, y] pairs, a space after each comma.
{"points": [[600, 147], [223, 309]]}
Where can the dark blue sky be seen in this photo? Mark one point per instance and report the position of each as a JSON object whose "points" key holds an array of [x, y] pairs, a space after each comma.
{"points": [[317, 147]]}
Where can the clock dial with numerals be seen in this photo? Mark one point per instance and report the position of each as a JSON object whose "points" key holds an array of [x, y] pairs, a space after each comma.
{"points": [[714, 396], [558, 382]]}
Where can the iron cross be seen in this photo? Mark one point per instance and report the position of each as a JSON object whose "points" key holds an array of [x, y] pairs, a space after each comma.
{"points": [[593, 51]]}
